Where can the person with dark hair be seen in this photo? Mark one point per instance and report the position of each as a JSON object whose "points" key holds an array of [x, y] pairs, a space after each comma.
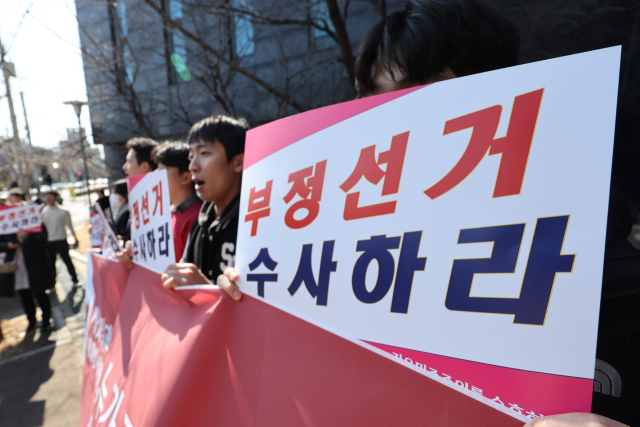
{"points": [[217, 156], [185, 204], [104, 203], [139, 159], [430, 41], [31, 280], [58, 221], [119, 200], [427, 42]]}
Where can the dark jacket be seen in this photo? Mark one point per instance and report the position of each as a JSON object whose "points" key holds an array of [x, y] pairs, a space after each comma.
{"points": [[33, 248], [617, 387], [121, 224], [5, 239], [212, 242], [7, 281]]}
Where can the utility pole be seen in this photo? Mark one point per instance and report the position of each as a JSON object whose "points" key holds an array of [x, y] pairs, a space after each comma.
{"points": [[26, 122], [8, 71], [77, 107], [28, 157]]}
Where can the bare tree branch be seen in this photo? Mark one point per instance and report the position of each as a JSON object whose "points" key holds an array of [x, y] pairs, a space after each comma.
{"points": [[347, 57]]}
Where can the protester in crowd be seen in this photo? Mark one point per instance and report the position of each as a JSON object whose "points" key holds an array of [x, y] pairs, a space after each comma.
{"points": [[37, 200], [104, 203], [138, 160], [217, 155], [618, 350], [427, 42], [185, 204], [31, 279], [119, 200], [58, 221]]}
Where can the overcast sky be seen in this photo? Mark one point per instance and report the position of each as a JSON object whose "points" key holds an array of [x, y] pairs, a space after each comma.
{"points": [[44, 46]]}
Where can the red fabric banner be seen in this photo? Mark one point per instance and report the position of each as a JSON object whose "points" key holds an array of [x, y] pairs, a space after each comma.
{"points": [[199, 358]]}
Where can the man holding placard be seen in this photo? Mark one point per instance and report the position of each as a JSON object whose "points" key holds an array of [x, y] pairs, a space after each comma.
{"points": [[217, 154], [393, 57]]}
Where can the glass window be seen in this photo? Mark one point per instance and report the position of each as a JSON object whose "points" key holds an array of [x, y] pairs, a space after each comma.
{"points": [[126, 51], [177, 46], [319, 13], [244, 46]]}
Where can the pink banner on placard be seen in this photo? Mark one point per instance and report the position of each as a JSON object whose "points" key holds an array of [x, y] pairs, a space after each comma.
{"points": [[562, 394], [199, 358], [266, 140]]}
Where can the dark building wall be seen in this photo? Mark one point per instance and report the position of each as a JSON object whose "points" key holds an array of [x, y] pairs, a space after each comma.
{"points": [[288, 57], [548, 29]]}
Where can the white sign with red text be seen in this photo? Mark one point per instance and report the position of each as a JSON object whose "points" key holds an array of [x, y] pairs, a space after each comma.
{"points": [[459, 226], [110, 243], [150, 216], [96, 230], [16, 218]]}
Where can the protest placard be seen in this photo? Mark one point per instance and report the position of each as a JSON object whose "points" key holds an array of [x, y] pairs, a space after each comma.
{"points": [[158, 359], [97, 229], [110, 244], [460, 227], [151, 231], [16, 218]]}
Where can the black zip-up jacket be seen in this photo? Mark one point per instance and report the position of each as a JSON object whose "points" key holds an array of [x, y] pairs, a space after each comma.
{"points": [[212, 242]]}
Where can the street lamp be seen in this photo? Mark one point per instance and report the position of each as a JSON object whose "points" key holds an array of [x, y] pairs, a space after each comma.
{"points": [[77, 107]]}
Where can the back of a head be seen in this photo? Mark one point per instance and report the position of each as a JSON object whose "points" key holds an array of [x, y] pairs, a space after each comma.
{"points": [[230, 132], [172, 154], [468, 36], [143, 148], [120, 187]]}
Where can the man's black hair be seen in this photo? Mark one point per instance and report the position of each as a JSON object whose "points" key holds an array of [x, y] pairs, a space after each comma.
{"points": [[172, 154], [230, 132], [468, 36], [120, 187], [54, 193], [142, 147]]}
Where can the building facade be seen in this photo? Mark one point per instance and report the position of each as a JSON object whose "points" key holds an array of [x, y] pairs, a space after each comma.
{"points": [[146, 77]]}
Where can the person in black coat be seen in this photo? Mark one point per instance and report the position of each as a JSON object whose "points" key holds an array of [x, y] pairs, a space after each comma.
{"points": [[34, 258], [8, 245], [119, 199]]}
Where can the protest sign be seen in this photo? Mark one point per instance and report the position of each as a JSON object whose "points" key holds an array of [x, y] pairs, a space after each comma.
{"points": [[105, 284], [151, 231], [459, 227], [195, 358], [110, 244], [96, 230], [16, 218]]}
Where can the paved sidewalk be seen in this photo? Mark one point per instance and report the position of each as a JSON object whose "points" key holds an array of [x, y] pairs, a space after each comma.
{"points": [[41, 377]]}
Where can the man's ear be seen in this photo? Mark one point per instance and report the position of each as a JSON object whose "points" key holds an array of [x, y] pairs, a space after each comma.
{"points": [[185, 178], [238, 162], [146, 167]]}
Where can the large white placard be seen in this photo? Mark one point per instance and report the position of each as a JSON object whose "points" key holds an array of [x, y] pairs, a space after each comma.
{"points": [[16, 218], [151, 231], [465, 219]]}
